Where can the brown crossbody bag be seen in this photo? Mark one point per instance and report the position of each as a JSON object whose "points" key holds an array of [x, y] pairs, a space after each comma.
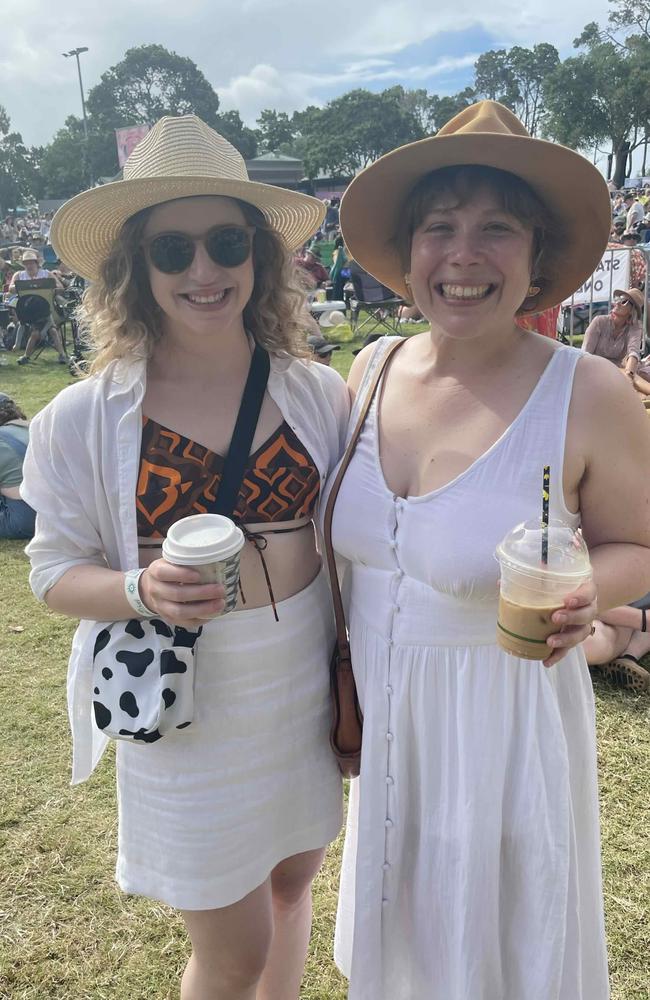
{"points": [[347, 718]]}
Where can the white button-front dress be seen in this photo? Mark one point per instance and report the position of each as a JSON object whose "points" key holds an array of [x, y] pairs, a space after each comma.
{"points": [[471, 867]]}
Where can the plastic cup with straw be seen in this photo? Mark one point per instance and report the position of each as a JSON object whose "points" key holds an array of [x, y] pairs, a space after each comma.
{"points": [[531, 590]]}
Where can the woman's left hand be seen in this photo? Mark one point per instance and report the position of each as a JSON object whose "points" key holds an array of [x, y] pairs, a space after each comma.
{"points": [[574, 621]]}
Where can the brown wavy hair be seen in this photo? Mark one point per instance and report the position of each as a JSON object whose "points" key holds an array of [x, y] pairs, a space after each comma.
{"points": [[120, 317], [513, 195], [10, 411]]}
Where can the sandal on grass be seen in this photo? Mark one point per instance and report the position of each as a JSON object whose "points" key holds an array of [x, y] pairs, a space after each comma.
{"points": [[626, 672]]}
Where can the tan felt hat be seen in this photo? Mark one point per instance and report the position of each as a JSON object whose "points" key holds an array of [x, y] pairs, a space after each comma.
{"points": [[487, 134], [634, 295], [178, 158]]}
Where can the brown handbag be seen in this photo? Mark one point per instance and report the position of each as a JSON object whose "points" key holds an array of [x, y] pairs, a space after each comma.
{"points": [[347, 718]]}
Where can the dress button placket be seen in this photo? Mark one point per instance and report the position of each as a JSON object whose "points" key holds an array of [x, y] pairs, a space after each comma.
{"points": [[390, 781]]}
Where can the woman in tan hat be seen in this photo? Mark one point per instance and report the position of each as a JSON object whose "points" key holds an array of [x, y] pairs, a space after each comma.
{"points": [[618, 336], [471, 867], [193, 299]]}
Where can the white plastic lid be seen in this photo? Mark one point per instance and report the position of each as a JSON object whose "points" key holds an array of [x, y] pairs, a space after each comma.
{"points": [[202, 538], [568, 555]]}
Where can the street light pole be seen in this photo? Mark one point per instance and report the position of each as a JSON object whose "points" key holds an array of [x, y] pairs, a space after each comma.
{"points": [[76, 53]]}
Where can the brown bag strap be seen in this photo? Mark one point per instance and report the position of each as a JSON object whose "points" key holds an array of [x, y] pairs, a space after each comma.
{"points": [[341, 631]]}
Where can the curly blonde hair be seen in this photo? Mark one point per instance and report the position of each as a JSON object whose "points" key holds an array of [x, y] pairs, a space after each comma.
{"points": [[121, 319]]}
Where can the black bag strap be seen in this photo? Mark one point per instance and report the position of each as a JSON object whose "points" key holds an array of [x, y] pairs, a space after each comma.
{"points": [[244, 432]]}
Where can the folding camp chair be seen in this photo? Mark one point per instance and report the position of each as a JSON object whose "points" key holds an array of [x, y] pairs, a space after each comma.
{"points": [[36, 309], [379, 302]]}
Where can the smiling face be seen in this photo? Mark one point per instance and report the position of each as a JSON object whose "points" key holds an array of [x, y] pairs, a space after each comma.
{"points": [[206, 298], [31, 266], [470, 265]]}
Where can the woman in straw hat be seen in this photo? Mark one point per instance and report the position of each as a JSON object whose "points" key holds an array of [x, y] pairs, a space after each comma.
{"points": [[192, 280], [618, 336], [471, 866]]}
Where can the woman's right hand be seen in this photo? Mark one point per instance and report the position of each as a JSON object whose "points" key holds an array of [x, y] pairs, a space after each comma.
{"points": [[177, 595]]}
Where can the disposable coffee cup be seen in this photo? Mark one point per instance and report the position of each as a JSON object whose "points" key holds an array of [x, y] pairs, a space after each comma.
{"points": [[211, 544], [531, 590]]}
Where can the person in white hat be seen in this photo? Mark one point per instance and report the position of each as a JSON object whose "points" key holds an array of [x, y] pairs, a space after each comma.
{"points": [[31, 272], [193, 295], [471, 868]]}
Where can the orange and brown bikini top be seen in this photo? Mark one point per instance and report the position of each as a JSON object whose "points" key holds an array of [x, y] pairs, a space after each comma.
{"points": [[178, 477]]}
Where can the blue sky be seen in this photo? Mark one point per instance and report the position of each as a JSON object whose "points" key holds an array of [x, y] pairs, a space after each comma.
{"points": [[269, 53]]}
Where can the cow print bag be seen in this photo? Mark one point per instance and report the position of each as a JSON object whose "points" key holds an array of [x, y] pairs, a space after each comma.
{"points": [[143, 679]]}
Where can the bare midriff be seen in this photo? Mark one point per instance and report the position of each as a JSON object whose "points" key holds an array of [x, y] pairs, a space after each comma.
{"points": [[292, 560]]}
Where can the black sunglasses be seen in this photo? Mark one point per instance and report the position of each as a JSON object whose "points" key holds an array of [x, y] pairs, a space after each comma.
{"points": [[228, 246]]}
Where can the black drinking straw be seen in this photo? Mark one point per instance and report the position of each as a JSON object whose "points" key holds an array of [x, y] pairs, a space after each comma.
{"points": [[546, 486]]}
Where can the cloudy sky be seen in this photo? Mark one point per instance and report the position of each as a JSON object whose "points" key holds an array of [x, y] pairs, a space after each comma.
{"points": [[260, 54]]}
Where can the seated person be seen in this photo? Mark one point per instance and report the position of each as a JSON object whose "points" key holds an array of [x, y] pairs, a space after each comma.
{"points": [[310, 263], [618, 229], [33, 271], [618, 336], [6, 274], [321, 349], [409, 314], [620, 639], [16, 517], [63, 273]]}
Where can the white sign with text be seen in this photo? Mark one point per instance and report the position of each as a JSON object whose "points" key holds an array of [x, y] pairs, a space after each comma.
{"points": [[612, 272]]}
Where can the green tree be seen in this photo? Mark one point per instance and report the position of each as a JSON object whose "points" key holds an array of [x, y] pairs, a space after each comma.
{"points": [[516, 78], [494, 78], [148, 83], [443, 109], [353, 130], [232, 128], [62, 163], [418, 104], [631, 14], [18, 173], [602, 94], [274, 130]]}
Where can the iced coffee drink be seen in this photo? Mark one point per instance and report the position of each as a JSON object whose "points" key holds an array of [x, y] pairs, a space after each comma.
{"points": [[531, 590]]}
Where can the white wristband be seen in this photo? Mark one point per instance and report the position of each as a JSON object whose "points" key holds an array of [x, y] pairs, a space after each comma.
{"points": [[132, 593]]}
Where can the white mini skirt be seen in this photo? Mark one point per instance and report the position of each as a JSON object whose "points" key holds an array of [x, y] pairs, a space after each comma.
{"points": [[205, 816]]}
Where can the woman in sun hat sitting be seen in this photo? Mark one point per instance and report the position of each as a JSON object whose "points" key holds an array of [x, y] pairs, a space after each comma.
{"points": [[471, 868], [193, 286], [617, 337]]}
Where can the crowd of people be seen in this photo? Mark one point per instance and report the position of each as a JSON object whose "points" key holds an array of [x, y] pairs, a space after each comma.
{"points": [[471, 867]]}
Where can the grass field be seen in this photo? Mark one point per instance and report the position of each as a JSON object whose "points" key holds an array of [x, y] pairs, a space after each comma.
{"points": [[66, 932]]}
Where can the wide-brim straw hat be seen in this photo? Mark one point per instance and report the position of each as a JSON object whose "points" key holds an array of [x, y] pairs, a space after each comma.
{"points": [[179, 158], [487, 134], [634, 295]]}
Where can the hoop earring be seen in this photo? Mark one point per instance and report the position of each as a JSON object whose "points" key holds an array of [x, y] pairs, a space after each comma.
{"points": [[532, 291]]}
